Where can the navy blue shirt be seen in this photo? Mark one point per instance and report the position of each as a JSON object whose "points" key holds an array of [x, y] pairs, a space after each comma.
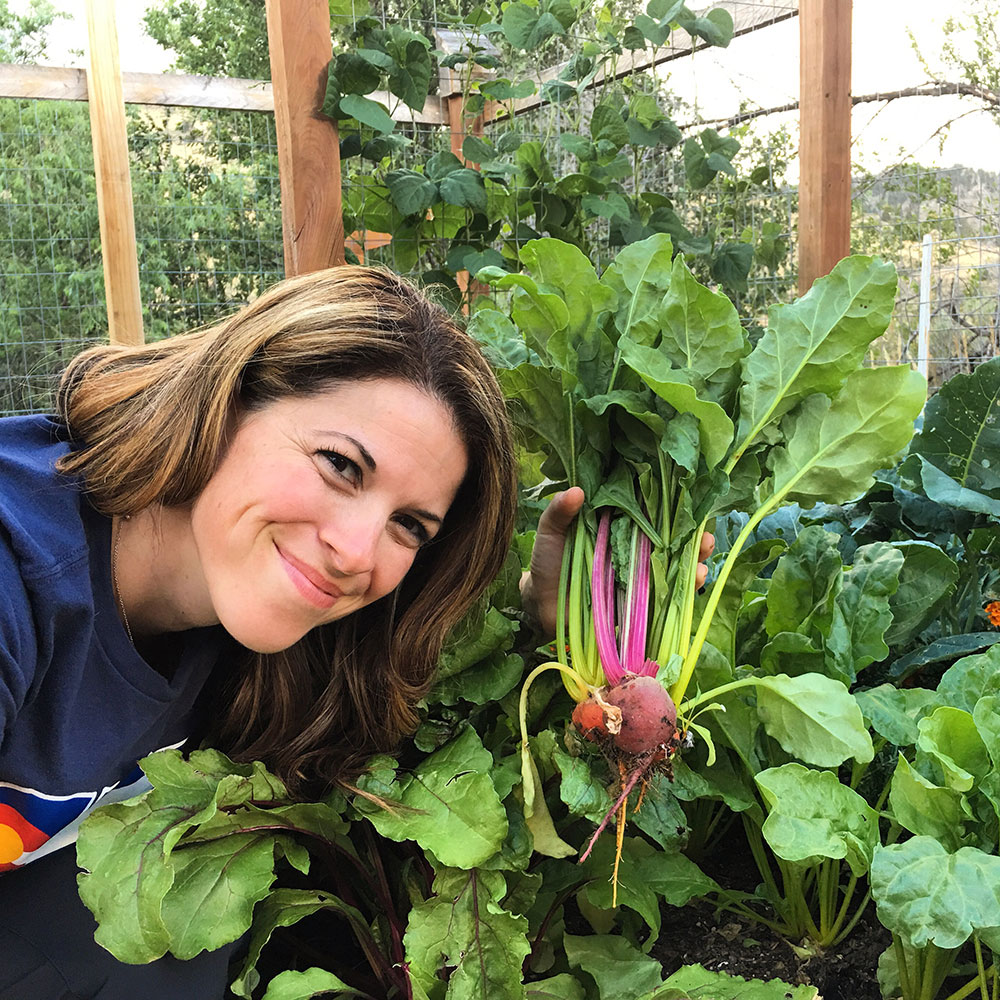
{"points": [[78, 705]]}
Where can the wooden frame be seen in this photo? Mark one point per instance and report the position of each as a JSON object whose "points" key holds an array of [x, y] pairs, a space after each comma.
{"points": [[312, 220], [824, 137], [114, 181]]}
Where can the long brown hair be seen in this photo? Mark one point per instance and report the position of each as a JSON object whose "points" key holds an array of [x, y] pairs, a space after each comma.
{"points": [[150, 424]]}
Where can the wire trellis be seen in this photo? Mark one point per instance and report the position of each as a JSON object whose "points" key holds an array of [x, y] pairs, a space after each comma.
{"points": [[208, 230]]}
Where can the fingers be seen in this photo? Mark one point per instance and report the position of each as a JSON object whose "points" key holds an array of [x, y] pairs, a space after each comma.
{"points": [[562, 508], [707, 546]]}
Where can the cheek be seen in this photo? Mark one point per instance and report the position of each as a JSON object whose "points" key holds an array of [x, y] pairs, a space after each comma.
{"points": [[391, 569]]}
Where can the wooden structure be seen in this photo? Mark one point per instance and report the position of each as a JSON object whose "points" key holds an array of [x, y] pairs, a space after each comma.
{"points": [[113, 176], [308, 148], [824, 137], [312, 219]]}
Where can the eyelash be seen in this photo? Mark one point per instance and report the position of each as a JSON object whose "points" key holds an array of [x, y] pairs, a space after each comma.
{"points": [[338, 462]]}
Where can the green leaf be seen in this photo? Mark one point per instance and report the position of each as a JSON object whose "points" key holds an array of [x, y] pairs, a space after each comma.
{"points": [[812, 344], [539, 407], [583, 793], [527, 27], [477, 149], [464, 928], [716, 27], [640, 276], [503, 346], [216, 885], [561, 987], [941, 651], [606, 123], [949, 737], [927, 895], [410, 76], [731, 264], [131, 865], [293, 985], [831, 450], [465, 188], [805, 585], [944, 490], [970, 678], [673, 385], [283, 908], [697, 981], [580, 146], [961, 430], [368, 112], [923, 808], [814, 718], [621, 971], [894, 712], [862, 612], [448, 804], [701, 328], [811, 815], [927, 578], [411, 193], [356, 74]]}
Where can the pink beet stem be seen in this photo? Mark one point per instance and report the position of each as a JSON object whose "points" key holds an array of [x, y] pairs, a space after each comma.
{"points": [[602, 587], [634, 654]]}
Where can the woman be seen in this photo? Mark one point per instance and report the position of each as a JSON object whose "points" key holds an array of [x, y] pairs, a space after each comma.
{"points": [[328, 476], [295, 505]]}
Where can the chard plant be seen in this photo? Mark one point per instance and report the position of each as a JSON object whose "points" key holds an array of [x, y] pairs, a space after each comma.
{"points": [[642, 387]]}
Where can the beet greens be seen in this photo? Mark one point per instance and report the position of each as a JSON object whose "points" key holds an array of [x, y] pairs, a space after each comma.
{"points": [[641, 386]]}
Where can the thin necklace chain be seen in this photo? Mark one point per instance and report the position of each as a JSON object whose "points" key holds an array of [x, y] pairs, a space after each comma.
{"points": [[114, 576]]}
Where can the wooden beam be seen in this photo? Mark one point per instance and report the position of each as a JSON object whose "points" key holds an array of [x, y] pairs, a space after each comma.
{"points": [[312, 221], [57, 83], [165, 89], [114, 182], [824, 137]]}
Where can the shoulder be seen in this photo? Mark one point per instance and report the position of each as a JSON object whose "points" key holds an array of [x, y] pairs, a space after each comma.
{"points": [[40, 509]]}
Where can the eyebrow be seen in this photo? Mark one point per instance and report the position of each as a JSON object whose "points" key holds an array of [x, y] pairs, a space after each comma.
{"points": [[366, 457]]}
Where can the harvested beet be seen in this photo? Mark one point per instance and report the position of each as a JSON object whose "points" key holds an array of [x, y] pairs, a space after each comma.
{"points": [[588, 717], [649, 716]]}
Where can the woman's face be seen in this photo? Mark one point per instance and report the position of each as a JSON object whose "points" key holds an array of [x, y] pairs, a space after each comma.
{"points": [[320, 505]]}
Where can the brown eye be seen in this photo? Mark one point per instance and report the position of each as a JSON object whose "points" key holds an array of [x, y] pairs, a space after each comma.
{"points": [[343, 466], [414, 527]]}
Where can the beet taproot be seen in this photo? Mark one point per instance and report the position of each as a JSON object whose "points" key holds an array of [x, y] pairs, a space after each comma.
{"points": [[649, 716]]}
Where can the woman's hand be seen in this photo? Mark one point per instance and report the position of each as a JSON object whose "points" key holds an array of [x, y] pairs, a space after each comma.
{"points": [[540, 585]]}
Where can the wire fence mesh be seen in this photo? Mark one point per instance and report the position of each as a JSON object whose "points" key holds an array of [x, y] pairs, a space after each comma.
{"points": [[208, 230]]}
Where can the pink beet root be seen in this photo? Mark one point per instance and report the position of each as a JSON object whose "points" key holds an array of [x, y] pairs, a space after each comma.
{"points": [[649, 716]]}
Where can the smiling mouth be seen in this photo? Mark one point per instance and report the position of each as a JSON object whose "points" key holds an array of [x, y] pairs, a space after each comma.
{"points": [[314, 588]]}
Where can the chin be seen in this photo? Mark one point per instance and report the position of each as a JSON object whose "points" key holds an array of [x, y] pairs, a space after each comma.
{"points": [[259, 640]]}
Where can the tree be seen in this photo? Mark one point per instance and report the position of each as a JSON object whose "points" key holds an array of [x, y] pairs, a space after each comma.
{"points": [[206, 210]]}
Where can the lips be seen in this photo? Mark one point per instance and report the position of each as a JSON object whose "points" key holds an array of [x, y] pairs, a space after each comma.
{"points": [[313, 586]]}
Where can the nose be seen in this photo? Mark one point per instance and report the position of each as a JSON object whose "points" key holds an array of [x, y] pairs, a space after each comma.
{"points": [[352, 539]]}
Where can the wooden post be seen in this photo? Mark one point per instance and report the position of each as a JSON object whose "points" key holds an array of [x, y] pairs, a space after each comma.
{"points": [[312, 221], [461, 124], [111, 171], [825, 137]]}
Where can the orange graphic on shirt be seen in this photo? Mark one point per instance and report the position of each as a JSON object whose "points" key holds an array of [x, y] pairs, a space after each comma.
{"points": [[17, 836]]}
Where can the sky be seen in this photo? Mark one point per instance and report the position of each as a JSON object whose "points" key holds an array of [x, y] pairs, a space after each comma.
{"points": [[761, 68]]}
